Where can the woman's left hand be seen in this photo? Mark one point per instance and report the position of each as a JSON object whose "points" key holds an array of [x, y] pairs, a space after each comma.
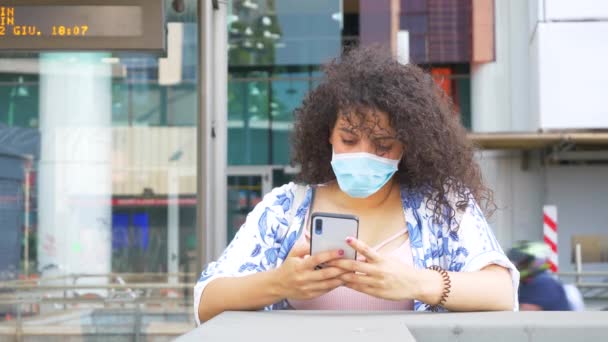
{"points": [[378, 276]]}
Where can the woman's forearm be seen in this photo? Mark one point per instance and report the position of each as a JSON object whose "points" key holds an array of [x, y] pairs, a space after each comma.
{"points": [[490, 289], [251, 292]]}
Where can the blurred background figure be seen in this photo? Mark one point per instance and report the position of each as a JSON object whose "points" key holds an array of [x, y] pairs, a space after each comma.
{"points": [[539, 290]]}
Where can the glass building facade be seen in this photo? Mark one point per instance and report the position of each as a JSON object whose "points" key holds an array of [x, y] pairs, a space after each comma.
{"points": [[99, 133], [98, 184], [274, 58]]}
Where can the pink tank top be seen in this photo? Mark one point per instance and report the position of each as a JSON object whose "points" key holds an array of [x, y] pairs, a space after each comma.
{"points": [[343, 298]]}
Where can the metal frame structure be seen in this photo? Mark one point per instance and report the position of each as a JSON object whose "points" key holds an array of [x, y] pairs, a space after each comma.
{"points": [[21, 293], [212, 131], [133, 299]]}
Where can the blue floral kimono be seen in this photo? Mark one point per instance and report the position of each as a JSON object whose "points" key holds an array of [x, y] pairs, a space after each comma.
{"points": [[269, 233]]}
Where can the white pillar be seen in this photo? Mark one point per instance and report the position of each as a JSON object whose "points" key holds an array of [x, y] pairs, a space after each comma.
{"points": [[219, 153], [173, 222], [75, 189], [403, 46], [500, 103]]}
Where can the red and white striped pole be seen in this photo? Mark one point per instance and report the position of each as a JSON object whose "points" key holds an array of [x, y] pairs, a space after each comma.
{"points": [[550, 234]]}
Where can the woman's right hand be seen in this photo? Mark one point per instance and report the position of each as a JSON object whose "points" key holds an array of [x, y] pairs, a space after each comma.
{"points": [[298, 278]]}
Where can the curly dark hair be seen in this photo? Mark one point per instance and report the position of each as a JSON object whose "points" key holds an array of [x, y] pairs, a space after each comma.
{"points": [[438, 160]]}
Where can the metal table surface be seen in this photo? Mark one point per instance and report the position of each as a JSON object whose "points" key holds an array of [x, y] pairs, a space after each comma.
{"points": [[313, 326]]}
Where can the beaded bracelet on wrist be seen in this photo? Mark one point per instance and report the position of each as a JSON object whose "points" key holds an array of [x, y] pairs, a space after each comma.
{"points": [[447, 285]]}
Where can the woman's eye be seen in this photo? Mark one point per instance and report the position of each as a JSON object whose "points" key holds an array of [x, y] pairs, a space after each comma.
{"points": [[348, 142], [385, 148]]}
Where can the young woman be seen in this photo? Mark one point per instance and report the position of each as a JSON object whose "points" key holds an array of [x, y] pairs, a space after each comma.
{"points": [[376, 139]]}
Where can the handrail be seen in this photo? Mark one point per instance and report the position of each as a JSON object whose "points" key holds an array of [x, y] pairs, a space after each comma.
{"points": [[30, 294], [592, 285], [80, 300], [100, 275], [584, 274], [143, 286]]}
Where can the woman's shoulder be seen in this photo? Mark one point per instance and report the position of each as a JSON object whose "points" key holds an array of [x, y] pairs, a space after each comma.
{"points": [[287, 190], [281, 197]]}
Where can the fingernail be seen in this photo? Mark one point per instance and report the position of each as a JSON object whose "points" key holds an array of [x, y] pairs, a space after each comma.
{"points": [[349, 240], [341, 252]]}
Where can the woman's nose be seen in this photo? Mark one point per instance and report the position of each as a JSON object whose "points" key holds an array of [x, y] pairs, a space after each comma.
{"points": [[367, 146]]}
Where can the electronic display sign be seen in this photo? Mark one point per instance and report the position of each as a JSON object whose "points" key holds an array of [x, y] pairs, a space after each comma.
{"points": [[105, 25]]}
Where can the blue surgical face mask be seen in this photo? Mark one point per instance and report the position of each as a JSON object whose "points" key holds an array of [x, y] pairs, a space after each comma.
{"points": [[362, 174]]}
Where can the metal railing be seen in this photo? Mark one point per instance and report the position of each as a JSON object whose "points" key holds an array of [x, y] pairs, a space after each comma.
{"points": [[148, 304], [144, 297], [590, 290]]}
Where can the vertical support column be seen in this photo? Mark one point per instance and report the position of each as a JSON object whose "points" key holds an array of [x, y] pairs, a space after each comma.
{"points": [[550, 234], [173, 222], [220, 125], [403, 47], [212, 134], [203, 254], [29, 162], [75, 188], [170, 73]]}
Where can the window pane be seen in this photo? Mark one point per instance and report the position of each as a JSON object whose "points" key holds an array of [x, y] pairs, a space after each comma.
{"points": [[98, 173], [248, 120], [288, 90], [244, 192], [279, 32]]}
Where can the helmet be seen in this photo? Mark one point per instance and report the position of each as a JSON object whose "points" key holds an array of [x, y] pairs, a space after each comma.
{"points": [[530, 258]]}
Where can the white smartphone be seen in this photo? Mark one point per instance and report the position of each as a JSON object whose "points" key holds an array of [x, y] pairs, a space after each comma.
{"points": [[328, 232]]}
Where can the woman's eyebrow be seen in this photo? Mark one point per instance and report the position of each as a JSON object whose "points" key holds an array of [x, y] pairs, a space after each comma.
{"points": [[383, 137]]}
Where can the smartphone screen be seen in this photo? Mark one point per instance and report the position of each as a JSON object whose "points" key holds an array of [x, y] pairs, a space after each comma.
{"points": [[328, 232]]}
